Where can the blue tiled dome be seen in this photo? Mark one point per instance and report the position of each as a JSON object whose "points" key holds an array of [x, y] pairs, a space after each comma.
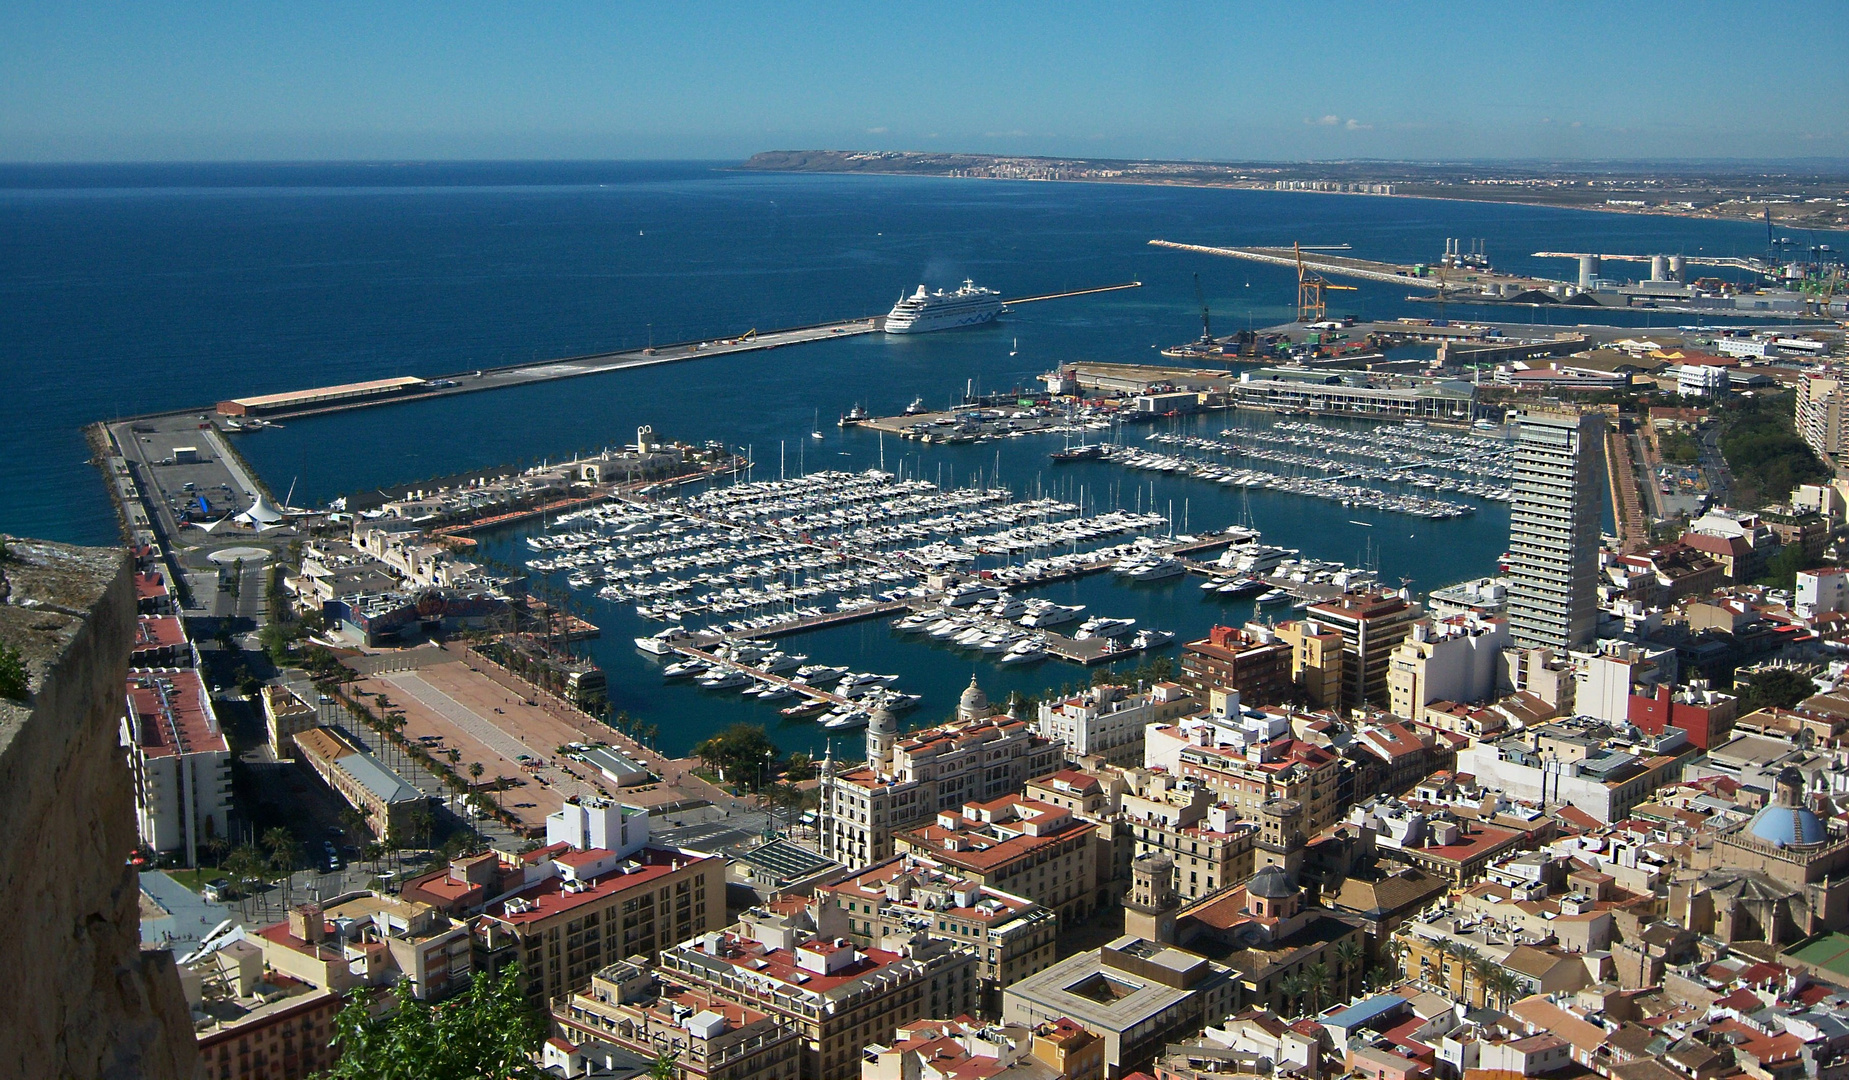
{"points": [[1788, 825]]}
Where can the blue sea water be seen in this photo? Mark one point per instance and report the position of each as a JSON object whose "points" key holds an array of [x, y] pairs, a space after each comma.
{"points": [[130, 288]]}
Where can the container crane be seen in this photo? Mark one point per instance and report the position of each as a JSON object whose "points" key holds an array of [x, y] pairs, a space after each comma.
{"points": [[1311, 287]]}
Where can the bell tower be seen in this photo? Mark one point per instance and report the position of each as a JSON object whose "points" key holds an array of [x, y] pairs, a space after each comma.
{"points": [[1149, 910], [1280, 836]]}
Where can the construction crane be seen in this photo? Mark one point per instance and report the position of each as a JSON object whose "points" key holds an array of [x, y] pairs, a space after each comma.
{"points": [[1311, 304]]}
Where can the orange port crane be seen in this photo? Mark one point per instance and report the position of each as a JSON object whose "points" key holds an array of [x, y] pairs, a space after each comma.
{"points": [[1311, 305]]}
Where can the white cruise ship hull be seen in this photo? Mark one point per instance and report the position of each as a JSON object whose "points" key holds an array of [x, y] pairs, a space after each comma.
{"points": [[948, 320]]}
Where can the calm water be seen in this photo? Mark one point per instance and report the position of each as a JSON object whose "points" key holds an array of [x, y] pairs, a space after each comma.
{"points": [[125, 289]]}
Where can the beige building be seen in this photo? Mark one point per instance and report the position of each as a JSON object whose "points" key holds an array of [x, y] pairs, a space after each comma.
{"points": [[391, 805], [1315, 661], [1208, 845], [906, 781], [286, 716], [587, 909], [842, 998], [708, 1037], [1018, 846], [890, 902], [1819, 414]]}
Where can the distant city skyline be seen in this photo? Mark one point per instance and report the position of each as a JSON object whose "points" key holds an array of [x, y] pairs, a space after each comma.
{"points": [[719, 81]]}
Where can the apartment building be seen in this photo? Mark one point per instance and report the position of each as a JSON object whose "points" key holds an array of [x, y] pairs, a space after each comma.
{"points": [[1554, 530], [1249, 757], [909, 894], [1456, 659], [179, 759], [1208, 845], [1015, 845], [1371, 624], [908, 781], [1315, 661], [582, 910], [1107, 722], [840, 997], [1253, 660], [706, 1036]]}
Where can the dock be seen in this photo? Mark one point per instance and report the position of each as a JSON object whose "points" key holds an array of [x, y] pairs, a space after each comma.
{"points": [[1433, 279]]}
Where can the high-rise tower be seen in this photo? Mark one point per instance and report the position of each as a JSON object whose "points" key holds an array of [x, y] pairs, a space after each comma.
{"points": [[1554, 530]]}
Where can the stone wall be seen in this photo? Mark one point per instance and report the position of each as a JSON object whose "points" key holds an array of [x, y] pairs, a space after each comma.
{"points": [[82, 999]]}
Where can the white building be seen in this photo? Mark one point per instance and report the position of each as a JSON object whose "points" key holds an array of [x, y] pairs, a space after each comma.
{"points": [[1454, 659], [599, 823], [1822, 591], [1702, 380], [1607, 680], [1109, 720], [180, 761], [1746, 347]]}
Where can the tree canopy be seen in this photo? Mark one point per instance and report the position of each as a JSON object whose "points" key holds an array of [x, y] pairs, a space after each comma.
{"points": [[490, 1032], [1773, 688], [738, 752]]}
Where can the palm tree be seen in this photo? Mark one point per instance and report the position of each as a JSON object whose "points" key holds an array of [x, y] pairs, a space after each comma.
{"points": [[1506, 985], [665, 1066], [1486, 971], [1348, 955], [1293, 987], [476, 770], [284, 854], [1316, 981]]}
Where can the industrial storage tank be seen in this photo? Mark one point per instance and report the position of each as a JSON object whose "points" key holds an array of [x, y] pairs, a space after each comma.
{"points": [[1659, 268], [1588, 270]]}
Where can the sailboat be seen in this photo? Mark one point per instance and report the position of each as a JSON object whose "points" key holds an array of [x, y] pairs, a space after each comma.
{"points": [[815, 427], [1015, 348]]}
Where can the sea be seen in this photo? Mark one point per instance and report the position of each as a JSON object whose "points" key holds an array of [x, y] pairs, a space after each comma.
{"points": [[126, 289]]}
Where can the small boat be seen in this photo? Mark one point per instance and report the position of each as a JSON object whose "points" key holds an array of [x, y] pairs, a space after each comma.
{"points": [[849, 720], [1273, 596], [776, 693], [1152, 639], [724, 680], [1240, 586], [814, 705], [661, 644], [917, 406], [684, 670], [1032, 654]]}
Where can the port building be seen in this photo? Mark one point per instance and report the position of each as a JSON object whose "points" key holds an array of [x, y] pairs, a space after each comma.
{"points": [[1294, 390]]}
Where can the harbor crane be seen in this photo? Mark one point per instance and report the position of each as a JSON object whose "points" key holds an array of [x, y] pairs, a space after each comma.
{"points": [[1312, 305]]}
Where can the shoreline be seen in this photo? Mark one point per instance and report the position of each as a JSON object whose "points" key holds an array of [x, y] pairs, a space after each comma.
{"points": [[1691, 215]]}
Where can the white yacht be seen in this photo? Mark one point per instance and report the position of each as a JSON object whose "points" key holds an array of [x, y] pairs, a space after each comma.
{"points": [[923, 311]]}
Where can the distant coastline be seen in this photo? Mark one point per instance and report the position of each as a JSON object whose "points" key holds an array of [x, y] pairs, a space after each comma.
{"points": [[1794, 198]]}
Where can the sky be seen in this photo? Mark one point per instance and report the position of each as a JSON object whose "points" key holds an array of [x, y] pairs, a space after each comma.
{"points": [[1301, 80]]}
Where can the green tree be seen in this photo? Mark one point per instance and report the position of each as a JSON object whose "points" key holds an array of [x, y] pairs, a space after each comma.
{"points": [[1294, 987], [666, 1066], [1782, 569], [285, 853], [1773, 688], [1348, 956], [491, 1033], [12, 673], [739, 753], [800, 767]]}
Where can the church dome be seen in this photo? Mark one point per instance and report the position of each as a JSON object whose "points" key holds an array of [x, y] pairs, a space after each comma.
{"points": [[973, 702], [1784, 826], [1787, 821], [1272, 883]]}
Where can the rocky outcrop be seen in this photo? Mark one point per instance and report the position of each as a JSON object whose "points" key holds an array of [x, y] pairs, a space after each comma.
{"points": [[82, 999]]}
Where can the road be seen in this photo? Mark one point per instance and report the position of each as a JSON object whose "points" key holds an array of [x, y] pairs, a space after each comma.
{"points": [[1714, 466]]}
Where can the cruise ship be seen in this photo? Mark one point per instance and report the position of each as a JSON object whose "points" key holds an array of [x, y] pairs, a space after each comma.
{"points": [[923, 312]]}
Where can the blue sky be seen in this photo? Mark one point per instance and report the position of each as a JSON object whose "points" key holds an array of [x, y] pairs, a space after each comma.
{"points": [[199, 81]]}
